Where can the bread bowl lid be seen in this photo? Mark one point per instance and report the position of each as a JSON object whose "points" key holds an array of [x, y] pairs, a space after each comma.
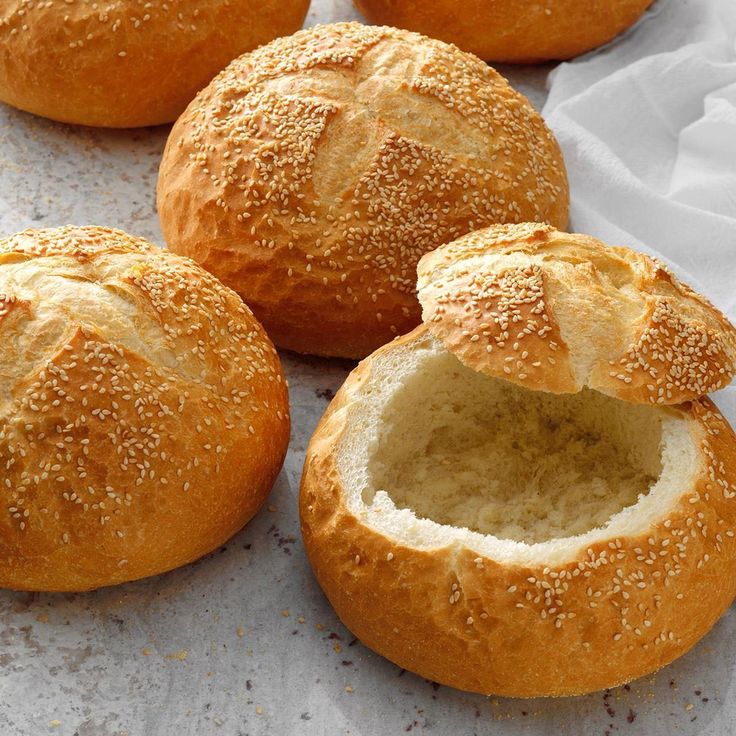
{"points": [[558, 312]]}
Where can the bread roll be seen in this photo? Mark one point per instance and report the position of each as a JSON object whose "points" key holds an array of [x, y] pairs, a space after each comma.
{"points": [[312, 174], [143, 411], [512, 30], [512, 541], [127, 63]]}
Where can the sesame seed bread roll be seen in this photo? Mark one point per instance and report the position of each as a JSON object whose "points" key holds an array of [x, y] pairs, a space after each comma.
{"points": [[556, 311], [512, 30], [143, 412], [312, 174], [511, 541], [127, 63]]}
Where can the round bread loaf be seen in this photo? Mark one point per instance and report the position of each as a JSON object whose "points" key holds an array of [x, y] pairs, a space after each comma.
{"points": [[127, 63], [143, 412], [512, 30], [511, 541], [313, 173]]}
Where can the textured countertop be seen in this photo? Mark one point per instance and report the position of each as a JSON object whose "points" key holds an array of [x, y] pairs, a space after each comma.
{"points": [[243, 641]]}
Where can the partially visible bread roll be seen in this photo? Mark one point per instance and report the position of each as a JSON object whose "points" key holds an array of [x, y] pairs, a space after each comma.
{"points": [[512, 30], [143, 411], [127, 63], [312, 174]]}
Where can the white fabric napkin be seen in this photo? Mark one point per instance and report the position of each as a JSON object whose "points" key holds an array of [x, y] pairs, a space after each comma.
{"points": [[648, 129]]}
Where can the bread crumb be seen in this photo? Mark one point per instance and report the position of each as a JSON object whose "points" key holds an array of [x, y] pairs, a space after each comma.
{"points": [[240, 631], [181, 655], [145, 651], [689, 706], [42, 618], [301, 620], [338, 648], [54, 723], [348, 688], [259, 710], [285, 613]]}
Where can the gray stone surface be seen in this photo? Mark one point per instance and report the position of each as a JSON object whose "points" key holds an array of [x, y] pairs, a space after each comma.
{"points": [[243, 641]]}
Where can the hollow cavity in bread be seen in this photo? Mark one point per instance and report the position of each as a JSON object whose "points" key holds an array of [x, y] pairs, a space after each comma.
{"points": [[448, 455], [470, 451], [490, 536]]}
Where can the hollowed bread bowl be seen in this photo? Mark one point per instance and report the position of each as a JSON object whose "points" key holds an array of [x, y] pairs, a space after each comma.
{"points": [[529, 495]]}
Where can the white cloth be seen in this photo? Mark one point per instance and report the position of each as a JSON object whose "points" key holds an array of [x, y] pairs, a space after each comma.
{"points": [[648, 129]]}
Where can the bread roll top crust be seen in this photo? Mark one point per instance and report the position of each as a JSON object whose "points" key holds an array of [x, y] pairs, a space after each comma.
{"points": [[555, 311]]}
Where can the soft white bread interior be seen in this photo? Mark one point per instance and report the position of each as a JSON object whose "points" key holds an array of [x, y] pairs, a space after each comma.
{"points": [[507, 541], [486, 455], [556, 311], [313, 173], [143, 411]]}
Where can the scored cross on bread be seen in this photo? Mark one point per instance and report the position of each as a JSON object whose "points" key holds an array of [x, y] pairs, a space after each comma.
{"points": [[313, 173], [143, 411]]}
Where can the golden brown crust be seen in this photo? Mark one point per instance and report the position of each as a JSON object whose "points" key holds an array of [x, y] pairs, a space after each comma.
{"points": [[622, 608], [127, 63], [512, 30], [312, 174], [555, 312], [143, 411], [498, 319]]}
